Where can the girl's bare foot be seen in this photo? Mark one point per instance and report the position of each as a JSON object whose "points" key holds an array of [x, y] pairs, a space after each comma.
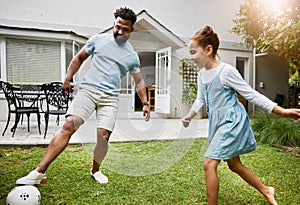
{"points": [[270, 196]]}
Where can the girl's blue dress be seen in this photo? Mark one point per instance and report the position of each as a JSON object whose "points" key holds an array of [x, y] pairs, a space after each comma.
{"points": [[229, 133]]}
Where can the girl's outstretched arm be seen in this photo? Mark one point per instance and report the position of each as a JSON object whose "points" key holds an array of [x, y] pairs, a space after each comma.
{"points": [[288, 113]]}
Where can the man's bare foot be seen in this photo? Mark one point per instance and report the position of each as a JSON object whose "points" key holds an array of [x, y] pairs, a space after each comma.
{"points": [[270, 196]]}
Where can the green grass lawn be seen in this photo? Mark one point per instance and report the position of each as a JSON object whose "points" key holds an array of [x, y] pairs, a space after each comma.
{"points": [[155, 172]]}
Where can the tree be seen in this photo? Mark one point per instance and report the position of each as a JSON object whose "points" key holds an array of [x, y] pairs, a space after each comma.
{"points": [[271, 26]]}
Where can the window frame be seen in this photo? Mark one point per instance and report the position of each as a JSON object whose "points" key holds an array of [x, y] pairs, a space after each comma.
{"points": [[75, 46]]}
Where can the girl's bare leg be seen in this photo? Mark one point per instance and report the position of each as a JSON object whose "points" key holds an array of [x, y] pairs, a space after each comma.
{"points": [[236, 166], [212, 180]]}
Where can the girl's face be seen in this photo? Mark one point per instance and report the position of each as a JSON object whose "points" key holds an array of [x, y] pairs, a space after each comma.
{"points": [[199, 55]]}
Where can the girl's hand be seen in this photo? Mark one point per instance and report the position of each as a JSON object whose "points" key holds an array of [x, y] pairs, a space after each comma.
{"points": [[293, 113], [186, 121], [288, 113]]}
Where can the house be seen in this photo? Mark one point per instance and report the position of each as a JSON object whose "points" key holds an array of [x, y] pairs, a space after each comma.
{"points": [[160, 52], [34, 55]]}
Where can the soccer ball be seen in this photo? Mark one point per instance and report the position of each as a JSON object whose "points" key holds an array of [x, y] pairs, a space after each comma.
{"points": [[24, 195]]}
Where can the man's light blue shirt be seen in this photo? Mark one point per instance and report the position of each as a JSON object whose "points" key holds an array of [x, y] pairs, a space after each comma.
{"points": [[110, 61]]}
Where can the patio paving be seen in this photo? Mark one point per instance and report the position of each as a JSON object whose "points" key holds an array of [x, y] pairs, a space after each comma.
{"points": [[125, 130]]}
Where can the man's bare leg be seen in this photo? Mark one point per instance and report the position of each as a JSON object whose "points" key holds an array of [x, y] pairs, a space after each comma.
{"points": [[59, 142], [100, 152], [56, 146]]}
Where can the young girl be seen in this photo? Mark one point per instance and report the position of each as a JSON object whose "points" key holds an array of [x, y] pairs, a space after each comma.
{"points": [[229, 133]]}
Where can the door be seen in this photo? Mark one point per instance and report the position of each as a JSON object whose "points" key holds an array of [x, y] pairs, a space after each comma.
{"points": [[162, 80]]}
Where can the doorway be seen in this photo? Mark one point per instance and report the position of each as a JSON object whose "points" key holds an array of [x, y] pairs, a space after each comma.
{"points": [[147, 61], [241, 65]]}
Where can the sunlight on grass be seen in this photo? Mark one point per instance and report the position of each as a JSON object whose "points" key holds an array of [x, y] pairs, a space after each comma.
{"points": [[182, 182], [145, 158]]}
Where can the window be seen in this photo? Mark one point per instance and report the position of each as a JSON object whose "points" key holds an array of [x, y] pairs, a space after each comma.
{"points": [[126, 84], [163, 65], [32, 61], [1, 57], [69, 54], [71, 51], [0, 61]]}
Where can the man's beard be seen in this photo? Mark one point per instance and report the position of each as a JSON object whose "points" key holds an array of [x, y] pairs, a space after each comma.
{"points": [[121, 39]]}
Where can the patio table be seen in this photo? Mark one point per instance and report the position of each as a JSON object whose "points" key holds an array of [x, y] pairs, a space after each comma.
{"points": [[29, 97]]}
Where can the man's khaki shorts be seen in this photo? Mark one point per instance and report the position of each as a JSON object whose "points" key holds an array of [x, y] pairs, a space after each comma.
{"points": [[88, 100]]}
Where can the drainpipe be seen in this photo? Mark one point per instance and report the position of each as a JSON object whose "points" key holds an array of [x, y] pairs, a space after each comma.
{"points": [[254, 73]]}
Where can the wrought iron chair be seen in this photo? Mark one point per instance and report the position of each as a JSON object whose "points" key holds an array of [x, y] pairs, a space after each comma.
{"points": [[15, 106], [57, 103], [30, 95]]}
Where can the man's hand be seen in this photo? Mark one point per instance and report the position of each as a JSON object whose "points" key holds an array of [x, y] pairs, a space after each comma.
{"points": [[66, 87], [146, 112]]}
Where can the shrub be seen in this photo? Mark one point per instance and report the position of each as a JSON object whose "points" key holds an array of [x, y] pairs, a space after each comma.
{"points": [[189, 79], [273, 129]]}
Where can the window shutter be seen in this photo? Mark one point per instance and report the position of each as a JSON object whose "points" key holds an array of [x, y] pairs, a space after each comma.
{"points": [[32, 61]]}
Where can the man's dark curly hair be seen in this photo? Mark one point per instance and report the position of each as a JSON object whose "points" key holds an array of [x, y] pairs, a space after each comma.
{"points": [[125, 13]]}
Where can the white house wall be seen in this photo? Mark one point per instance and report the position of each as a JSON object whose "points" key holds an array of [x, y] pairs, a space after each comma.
{"points": [[228, 53], [230, 56], [272, 74], [178, 109], [33, 34], [181, 17]]}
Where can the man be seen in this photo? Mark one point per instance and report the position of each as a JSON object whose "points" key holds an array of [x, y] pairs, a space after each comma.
{"points": [[111, 58]]}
